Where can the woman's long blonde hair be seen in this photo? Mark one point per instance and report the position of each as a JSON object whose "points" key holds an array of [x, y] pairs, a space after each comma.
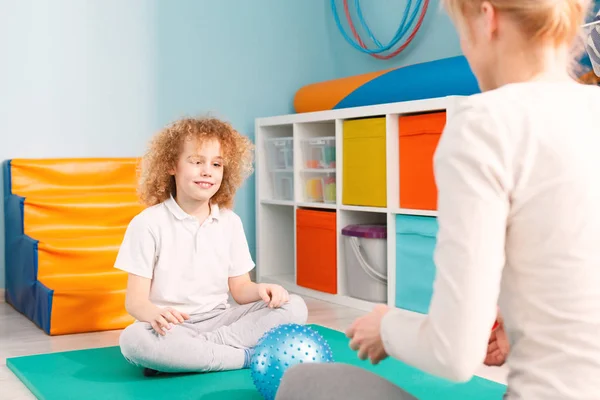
{"points": [[556, 22]]}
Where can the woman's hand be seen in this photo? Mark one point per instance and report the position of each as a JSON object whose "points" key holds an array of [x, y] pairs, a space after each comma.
{"points": [[498, 346], [365, 335]]}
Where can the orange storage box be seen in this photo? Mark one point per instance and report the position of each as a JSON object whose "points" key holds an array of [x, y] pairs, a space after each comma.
{"points": [[419, 136], [316, 255]]}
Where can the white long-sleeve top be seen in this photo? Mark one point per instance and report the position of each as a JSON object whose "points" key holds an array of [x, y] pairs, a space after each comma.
{"points": [[518, 174]]}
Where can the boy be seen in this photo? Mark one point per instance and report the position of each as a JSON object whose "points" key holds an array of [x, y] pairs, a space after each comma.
{"points": [[187, 250]]}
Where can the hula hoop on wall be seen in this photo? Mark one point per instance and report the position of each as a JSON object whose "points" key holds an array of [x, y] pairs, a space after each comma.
{"points": [[360, 45]]}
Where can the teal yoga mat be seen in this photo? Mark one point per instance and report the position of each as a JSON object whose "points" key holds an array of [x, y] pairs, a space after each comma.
{"points": [[103, 373]]}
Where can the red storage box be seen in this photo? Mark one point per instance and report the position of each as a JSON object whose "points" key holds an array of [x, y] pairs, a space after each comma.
{"points": [[419, 136], [316, 253]]}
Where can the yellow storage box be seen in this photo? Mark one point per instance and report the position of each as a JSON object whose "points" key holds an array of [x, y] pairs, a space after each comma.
{"points": [[364, 163]]}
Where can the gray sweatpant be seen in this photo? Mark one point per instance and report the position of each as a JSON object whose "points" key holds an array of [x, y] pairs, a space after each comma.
{"points": [[213, 341], [336, 381]]}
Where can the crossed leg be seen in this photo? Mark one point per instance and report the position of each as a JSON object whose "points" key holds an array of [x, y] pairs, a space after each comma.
{"points": [[202, 344]]}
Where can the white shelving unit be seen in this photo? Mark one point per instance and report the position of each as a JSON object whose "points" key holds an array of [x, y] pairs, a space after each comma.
{"points": [[276, 218]]}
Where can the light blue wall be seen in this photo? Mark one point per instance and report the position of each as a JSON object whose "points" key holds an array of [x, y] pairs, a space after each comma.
{"points": [[436, 38], [240, 73], [83, 78], [77, 78], [80, 75]]}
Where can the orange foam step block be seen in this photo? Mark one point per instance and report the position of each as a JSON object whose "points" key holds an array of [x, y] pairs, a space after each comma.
{"points": [[87, 302], [79, 215], [65, 222], [31, 177], [78, 255]]}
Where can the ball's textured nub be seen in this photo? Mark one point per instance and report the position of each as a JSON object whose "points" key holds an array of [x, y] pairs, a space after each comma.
{"points": [[281, 348]]}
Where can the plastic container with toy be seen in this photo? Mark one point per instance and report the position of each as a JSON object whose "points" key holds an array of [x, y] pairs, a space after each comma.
{"points": [[319, 153], [283, 185], [280, 153], [321, 188]]}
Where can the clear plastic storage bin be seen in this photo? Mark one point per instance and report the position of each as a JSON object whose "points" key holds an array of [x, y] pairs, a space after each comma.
{"points": [[319, 152], [321, 188], [283, 185], [280, 153]]}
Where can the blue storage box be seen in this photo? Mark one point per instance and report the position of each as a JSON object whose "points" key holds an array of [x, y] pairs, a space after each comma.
{"points": [[415, 269]]}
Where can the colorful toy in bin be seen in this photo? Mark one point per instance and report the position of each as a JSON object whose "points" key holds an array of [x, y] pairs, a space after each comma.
{"points": [[319, 153], [321, 188], [330, 189], [314, 190]]}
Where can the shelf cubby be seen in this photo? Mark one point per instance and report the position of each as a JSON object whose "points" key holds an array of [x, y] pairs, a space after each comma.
{"points": [[315, 163], [275, 159], [380, 163], [275, 243], [346, 219]]}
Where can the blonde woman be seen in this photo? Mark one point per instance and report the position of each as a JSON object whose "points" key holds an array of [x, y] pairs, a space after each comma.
{"points": [[517, 170]]}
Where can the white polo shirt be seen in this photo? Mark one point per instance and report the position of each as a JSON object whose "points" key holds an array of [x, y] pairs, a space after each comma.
{"points": [[189, 263]]}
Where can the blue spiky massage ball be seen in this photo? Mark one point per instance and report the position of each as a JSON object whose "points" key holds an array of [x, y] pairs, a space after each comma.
{"points": [[281, 348]]}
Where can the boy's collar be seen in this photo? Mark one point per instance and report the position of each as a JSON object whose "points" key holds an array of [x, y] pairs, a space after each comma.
{"points": [[178, 212]]}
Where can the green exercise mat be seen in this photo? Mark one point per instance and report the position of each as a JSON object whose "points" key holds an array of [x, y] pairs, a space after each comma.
{"points": [[103, 373]]}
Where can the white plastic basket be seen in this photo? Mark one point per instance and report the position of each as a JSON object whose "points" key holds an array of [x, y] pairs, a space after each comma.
{"points": [[365, 248]]}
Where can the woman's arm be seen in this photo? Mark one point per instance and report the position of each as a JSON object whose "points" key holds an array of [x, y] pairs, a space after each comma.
{"points": [[473, 179]]}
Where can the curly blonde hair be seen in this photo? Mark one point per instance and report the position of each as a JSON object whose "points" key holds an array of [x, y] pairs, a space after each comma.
{"points": [[157, 183]]}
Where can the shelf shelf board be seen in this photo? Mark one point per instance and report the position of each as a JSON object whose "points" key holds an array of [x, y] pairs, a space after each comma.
{"points": [[277, 202], [316, 205], [405, 107], [318, 170], [363, 208], [411, 211], [288, 282]]}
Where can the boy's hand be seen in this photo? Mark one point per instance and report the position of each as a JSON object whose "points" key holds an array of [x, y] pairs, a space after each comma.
{"points": [[166, 318], [272, 294]]}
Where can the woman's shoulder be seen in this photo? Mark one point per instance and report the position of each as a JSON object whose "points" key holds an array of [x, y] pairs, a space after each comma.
{"points": [[525, 96], [512, 105]]}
